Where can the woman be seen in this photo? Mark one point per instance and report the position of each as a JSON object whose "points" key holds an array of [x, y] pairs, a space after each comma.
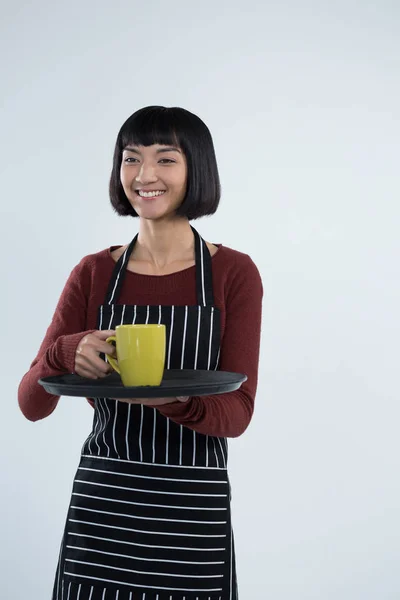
{"points": [[149, 517]]}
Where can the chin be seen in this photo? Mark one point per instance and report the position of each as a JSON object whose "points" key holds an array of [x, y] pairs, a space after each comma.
{"points": [[150, 214], [147, 216]]}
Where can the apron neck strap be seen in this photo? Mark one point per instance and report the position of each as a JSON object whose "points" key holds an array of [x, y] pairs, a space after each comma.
{"points": [[204, 283]]}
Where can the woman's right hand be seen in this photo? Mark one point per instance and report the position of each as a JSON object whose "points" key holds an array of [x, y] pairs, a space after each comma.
{"points": [[87, 360]]}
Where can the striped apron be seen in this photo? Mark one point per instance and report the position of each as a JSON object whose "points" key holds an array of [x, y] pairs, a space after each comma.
{"points": [[149, 517]]}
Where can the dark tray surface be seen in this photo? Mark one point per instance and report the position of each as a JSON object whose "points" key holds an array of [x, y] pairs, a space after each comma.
{"points": [[176, 382]]}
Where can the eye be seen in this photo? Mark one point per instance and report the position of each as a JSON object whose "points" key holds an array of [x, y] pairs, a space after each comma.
{"points": [[131, 158]]}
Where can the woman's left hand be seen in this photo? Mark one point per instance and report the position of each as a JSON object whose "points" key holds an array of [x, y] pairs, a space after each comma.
{"points": [[154, 401]]}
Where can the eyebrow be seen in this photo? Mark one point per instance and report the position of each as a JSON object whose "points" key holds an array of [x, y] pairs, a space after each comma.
{"points": [[158, 151]]}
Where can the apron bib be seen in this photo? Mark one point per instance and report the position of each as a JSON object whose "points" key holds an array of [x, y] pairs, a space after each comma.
{"points": [[149, 517]]}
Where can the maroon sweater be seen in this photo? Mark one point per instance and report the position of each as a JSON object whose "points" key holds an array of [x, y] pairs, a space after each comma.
{"points": [[238, 294]]}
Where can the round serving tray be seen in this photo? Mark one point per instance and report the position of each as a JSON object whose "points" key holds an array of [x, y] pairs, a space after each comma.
{"points": [[179, 382]]}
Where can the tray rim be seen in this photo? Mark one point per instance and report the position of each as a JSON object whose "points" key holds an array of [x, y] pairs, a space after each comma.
{"points": [[148, 392]]}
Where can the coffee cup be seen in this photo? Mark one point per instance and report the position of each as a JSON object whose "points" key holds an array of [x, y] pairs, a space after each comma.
{"points": [[140, 351]]}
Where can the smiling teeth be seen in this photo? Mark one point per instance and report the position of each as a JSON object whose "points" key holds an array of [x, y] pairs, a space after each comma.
{"points": [[150, 194]]}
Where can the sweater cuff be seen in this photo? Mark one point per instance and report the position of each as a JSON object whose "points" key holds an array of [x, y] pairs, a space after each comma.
{"points": [[62, 353]]}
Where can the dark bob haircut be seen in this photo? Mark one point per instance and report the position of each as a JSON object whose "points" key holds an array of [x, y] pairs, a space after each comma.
{"points": [[179, 127]]}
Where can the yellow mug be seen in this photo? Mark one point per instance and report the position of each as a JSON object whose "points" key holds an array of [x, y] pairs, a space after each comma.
{"points": [[140, 354]]}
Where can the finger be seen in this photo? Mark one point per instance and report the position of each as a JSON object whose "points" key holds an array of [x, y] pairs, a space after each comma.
{"points": [[156, 401], [105, 348], [86, 373], [100, 365], [103, 334], [93, 363], [182, 398], [129, 400]]}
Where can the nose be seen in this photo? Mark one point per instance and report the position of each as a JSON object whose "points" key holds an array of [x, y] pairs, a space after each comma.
{"points": [[146, 174]]}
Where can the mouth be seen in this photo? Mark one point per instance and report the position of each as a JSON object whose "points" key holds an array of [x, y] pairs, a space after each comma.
{"points": [[150, 195]]}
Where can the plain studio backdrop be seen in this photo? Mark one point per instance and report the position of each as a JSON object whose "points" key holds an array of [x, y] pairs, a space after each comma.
{"points": [[302, 100]]}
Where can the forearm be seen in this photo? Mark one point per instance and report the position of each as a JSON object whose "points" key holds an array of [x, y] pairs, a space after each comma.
{"points": [[222, 415], [34, 402], [56, 354]]}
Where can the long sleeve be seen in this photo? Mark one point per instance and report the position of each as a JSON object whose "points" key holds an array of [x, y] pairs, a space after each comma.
{"points": [[229, 414], [56, 355], [238, 293]]}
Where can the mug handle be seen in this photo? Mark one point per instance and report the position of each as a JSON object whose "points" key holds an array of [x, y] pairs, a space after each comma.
{"points": [[110, 359]]}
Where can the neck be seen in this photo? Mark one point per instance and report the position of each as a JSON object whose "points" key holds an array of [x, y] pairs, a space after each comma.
{"points": [[164, 242]]}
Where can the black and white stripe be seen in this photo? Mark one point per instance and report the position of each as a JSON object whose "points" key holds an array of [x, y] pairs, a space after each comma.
{"points": [[149, 517], [129, 523], [79, 591], [119, 427]]}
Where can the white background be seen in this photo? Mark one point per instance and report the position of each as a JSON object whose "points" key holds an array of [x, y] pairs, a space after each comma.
{"points": [[302, 99]]}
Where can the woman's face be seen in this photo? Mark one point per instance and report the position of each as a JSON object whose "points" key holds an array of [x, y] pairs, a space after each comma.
{"points": [[155, 168]]}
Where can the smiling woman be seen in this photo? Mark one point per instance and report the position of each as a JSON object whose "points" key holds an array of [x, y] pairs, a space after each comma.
{"points": [[149, 517], [154, 186]]}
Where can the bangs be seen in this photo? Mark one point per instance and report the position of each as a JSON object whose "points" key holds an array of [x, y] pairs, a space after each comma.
{"points": [[151, 125]]}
